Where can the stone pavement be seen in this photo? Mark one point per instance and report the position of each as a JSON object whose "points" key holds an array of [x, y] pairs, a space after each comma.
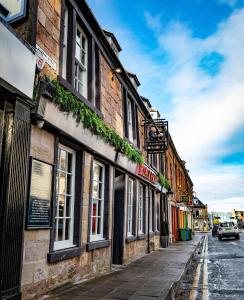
{"points": [[153, 276]]}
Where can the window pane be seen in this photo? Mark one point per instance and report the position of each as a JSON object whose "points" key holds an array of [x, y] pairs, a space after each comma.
{"points": [[100, 174], [62, 163], [68, 206], [60, 229], [67, 229], [94, 222], [61, 206], [94, 207], [96, 170], [95, 189], [100, 204], [99, 225], [100, 190], [69, 184], [70, 162], [62, 183]]}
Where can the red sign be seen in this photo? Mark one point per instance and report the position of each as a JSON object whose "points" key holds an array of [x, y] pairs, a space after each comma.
{"points": [[147, 173]]}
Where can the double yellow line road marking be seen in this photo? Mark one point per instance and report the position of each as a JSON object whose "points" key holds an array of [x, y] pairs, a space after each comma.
{"points": [[202, 267]]}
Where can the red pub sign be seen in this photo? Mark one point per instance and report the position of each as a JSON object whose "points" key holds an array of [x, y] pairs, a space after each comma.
{"points": [[145, 172]]}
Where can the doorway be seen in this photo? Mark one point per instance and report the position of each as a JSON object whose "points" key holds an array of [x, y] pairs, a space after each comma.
{"points": [[118, 213]]}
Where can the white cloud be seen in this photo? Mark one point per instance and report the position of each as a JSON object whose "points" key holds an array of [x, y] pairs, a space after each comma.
{"points": [[204, 111]]}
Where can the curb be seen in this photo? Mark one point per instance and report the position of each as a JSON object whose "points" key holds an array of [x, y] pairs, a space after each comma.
{"points": [[175, 285]]}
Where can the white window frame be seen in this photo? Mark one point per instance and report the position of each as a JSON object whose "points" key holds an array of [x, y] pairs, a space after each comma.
{"points": [[141, 209], [129, 120], [65, 243], [130, 207], [157, 213], [151, 210], [65, 42], [81, 68], [100, 236]]}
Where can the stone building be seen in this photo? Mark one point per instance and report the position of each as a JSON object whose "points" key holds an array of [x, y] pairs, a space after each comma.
{"points": [[200, 215], [179, 210], [87, 201]]}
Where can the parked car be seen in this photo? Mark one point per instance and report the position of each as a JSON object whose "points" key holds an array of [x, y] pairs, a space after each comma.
{"points": [[228, 229], [215, 230], [240, 225]]}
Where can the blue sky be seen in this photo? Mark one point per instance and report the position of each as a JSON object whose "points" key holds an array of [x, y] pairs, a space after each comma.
{"points": [[189, 58]]}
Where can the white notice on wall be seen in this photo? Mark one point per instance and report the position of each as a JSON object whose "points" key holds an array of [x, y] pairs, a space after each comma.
{"points": [[48, 59]]}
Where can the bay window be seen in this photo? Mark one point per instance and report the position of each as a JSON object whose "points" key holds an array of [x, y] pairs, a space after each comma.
{"points": [[129, 120]]}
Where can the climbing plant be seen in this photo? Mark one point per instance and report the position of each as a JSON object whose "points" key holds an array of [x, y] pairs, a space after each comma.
{"points": [[68, 102]]}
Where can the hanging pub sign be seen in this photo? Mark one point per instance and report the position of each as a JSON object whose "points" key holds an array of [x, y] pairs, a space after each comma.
{"points": [[185, 199], [156, 135], [40, 194]]}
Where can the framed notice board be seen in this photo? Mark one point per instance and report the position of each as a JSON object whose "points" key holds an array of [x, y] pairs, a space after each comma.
{"points": [[40, 195]]}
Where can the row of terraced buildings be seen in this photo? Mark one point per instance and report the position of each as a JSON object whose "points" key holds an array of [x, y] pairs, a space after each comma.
{"points": [[79, 189]]}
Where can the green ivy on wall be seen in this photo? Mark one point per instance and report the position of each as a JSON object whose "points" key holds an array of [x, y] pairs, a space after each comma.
{"points": [[163, 181], [68, 102]]}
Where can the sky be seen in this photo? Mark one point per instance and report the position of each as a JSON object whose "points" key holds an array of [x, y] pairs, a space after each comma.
{"points": [[189, 58]]}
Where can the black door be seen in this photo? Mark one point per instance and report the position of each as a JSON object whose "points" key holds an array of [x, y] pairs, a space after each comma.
{"points": [[118, 228], [14, 152]]}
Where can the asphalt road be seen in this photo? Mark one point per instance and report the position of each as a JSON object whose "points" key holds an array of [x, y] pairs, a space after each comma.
{"points": [[225, 268], [216, 272]]}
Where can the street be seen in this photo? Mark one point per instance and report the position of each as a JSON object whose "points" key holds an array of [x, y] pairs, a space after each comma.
{"points": [[215, 272]]}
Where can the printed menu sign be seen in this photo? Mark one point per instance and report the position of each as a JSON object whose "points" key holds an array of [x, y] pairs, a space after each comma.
{"points": [[40, 195]]}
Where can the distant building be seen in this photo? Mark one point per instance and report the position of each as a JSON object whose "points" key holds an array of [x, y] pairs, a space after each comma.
{"points": [[238, 215], [200, 214]]}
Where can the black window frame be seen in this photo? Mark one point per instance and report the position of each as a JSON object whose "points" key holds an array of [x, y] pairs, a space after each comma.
{"points": [[126, 95], [93, 100]]}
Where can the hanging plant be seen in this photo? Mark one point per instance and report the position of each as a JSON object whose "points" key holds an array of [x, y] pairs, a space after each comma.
{"points": [[69, 103], [163, 181]]}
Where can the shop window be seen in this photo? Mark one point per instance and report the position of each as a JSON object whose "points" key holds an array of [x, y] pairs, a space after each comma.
{"points": [[141, 211], [97, 202], [65, 186], [157, 217], [130, 207]]}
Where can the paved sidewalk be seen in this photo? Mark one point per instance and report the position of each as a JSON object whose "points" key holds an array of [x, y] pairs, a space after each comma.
{"points": [[153, 276]]}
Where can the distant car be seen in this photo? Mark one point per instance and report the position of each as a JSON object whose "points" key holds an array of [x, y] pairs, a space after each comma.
{"points": [[228, 229], [240, 225], [215, 230]]}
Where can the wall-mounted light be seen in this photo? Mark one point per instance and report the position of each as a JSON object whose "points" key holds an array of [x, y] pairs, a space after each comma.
{"points": [[40, 123], [116, 71]]}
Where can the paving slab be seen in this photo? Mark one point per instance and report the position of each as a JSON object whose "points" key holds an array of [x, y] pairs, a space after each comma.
{"points": [[152, 276]]}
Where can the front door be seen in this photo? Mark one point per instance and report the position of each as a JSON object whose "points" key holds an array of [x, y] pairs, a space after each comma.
{"points": [[118, 228]]}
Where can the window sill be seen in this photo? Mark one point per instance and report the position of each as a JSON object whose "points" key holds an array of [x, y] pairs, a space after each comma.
{"points": [[98, 244], [131, 238], [157, 232], [151, 234], [64, 254], [69, 87], [142, 236]]}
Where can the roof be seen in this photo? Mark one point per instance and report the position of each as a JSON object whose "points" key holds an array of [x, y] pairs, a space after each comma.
{"points": [[112, 36], [147, 101], [134, 77]]}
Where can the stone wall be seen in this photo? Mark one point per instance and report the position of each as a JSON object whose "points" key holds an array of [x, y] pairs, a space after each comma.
{"points": [[38, 276], [48, 32], [111, 98]]}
